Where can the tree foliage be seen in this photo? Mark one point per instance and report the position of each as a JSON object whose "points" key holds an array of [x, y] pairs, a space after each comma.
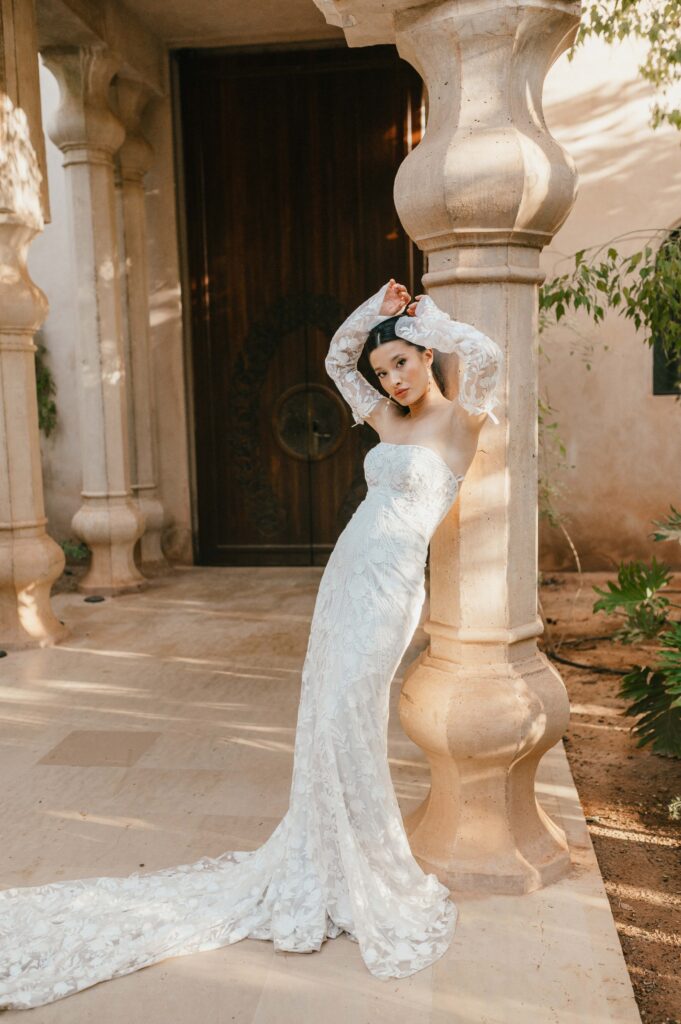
{"points": [[644, 287], [658, 23]]}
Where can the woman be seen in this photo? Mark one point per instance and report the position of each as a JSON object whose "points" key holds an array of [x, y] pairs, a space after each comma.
{"points": [[339, 860]]}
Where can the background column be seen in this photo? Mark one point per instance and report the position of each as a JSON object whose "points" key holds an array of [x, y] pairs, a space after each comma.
{"points": [[133, 161], [30, 561], [88, 134]]}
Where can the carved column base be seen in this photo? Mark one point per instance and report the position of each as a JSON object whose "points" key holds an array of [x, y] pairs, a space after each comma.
{"points": [[484, 730], [151, 552], [29, 565], [110, 526]]}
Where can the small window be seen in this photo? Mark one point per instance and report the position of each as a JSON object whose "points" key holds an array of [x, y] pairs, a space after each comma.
{"points": [[666, 369]]}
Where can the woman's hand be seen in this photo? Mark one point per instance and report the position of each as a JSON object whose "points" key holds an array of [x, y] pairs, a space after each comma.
{"points": [[396, 295], [411, 308]]}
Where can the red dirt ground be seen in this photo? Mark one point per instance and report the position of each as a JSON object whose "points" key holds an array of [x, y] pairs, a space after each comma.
{"points": [[624, 790]]}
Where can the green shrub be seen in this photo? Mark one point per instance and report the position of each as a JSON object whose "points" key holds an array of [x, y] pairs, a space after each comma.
{"points": [[669, 528], [46, 389], [75, 551], [656, 696], [636, 595]]}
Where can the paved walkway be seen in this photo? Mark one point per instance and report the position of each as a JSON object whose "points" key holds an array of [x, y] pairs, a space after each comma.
{"points": [[162, 731]]}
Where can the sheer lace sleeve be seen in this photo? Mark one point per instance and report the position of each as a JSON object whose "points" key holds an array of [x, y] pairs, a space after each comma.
{"points": [[482, 359], [344, 352]]}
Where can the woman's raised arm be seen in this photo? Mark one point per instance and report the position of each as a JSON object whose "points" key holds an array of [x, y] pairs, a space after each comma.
{"points": [[344, 352], [482, 358]]}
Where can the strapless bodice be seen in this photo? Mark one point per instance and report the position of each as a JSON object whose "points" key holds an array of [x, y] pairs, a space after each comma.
{"points": [[415, 480]]}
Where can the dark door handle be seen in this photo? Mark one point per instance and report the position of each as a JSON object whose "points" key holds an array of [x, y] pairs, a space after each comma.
{"points": [[317, 436], [317, 432]]}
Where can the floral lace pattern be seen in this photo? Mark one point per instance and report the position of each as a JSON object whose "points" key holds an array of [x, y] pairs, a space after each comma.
{"points": [[481, 358], [339, 860], [344, 352]]}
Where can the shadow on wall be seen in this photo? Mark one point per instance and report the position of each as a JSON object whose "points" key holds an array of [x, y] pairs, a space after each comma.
{"points": [[605, 131]]}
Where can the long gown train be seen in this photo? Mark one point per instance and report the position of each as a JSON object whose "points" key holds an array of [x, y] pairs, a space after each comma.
{"points": [[339, 860]]}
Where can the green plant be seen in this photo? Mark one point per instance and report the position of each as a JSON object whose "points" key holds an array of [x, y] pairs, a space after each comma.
{"points": [[637, 597], [655, 691], [669, 528], [658, 23], [656, 696], [644, 287], [75, 550], [46, 389]]}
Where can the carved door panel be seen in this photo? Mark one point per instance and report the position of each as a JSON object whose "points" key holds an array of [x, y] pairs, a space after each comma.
{"points": [[289, 159]]}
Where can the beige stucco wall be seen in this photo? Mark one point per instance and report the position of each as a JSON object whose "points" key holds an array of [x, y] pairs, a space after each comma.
{"points": [[623, 441]]}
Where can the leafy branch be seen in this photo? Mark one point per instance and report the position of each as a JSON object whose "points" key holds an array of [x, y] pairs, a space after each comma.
{"points": [[669, 528], [658, 23], [644, 287]]}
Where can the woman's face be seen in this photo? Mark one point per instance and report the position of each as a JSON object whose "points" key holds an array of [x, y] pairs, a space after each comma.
{"points": [[402, 370]]}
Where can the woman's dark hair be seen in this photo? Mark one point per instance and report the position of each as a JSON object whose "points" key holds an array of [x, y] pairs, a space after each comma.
{"points": [[385, 332]]}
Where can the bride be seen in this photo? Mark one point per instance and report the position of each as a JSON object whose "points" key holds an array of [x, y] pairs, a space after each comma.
{"points": [[339, 860]]}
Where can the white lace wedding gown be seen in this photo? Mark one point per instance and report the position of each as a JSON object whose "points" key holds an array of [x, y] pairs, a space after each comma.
{"points": [[339, 860]]}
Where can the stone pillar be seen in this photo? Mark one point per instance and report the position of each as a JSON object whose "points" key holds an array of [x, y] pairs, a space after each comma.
{"points": [[134, 160], [485, 189], [88, 134], [30, 561]]}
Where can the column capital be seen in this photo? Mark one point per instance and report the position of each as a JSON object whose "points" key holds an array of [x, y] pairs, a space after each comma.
{"points": [[20, 177], [135, 156], [487, 171], [84, 120], [23, 304]]}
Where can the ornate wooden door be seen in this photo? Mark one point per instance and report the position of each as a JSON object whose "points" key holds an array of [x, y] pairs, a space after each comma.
{"points": [[289, 162]]}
